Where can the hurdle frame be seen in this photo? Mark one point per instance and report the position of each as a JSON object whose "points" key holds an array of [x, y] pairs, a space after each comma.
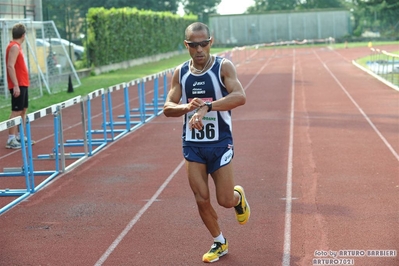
{"points": [[149, 110], [88, 141], [58, 154], [21, 193]]}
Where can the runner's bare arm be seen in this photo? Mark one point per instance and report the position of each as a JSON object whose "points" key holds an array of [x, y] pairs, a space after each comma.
{"points": [[236, 96], [173, 107], [12, 58]]}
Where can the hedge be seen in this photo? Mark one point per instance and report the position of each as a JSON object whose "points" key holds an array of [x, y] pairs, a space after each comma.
{"points": [[120, 34]]}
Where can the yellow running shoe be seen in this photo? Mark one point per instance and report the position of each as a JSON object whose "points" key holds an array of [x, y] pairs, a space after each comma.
{"points": [[242, 209], [217, 250]]}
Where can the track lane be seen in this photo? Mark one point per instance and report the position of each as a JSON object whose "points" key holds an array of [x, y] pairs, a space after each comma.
{"points": [[186, 237], [346, 174], [337, 201]]}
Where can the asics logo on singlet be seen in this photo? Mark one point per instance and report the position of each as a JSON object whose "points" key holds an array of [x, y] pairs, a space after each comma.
{"points": [[198, 83]]}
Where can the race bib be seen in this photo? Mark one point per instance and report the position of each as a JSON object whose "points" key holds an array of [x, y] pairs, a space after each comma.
{"points": [[210, 130]]}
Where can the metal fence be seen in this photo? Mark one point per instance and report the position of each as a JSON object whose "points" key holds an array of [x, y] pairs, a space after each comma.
{"points": [[263, 28], [385, 65], [50, 66]]}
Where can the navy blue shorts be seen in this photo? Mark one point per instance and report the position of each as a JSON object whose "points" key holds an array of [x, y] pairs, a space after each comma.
{"points": [[213, 157], [21, 102]]}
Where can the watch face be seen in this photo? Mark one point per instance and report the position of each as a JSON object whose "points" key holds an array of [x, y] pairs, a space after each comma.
{"points": [[209, 105]]}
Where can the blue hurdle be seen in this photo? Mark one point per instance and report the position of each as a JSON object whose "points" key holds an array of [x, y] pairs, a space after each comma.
{"points": [[23, 171], [130, 121], [49, 173], [149, 110], [110, 126], [158, 100], [110, 130], [59, 154], [134, 123], [88, 141]]}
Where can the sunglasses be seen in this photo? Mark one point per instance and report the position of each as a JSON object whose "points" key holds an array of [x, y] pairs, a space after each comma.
{"points": [[196, 44]]}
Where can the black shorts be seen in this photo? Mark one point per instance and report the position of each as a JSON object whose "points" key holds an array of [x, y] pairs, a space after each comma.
{"points": [[21, 102]]}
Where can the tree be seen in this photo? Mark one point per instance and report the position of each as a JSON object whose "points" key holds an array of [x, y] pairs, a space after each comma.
{"points": [[69, 15], [272, 5], [318, 4], [201, 8], [376, 15], [278, 5], [154, 5]]}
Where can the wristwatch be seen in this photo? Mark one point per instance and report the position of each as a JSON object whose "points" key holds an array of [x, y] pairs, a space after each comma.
{"points": [[209, 105]]}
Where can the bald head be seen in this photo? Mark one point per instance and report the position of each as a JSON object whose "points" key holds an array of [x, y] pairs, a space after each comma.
{"points": [[196, 26]]}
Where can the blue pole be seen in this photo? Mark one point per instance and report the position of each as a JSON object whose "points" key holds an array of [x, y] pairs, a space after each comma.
{"points": [[165, 86], [56, 140], [30, 156], [127, 106], [142, 101], [156, 87], [89, 126], [104, 109], [110, 115], [26, 167]]}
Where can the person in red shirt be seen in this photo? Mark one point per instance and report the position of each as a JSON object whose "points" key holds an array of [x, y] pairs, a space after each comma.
{"points": [[18, 81]]}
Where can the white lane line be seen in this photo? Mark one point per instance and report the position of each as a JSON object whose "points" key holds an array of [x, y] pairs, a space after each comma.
{"points": [[288, 202], [130, 225], [395, 154], [257, 74]]}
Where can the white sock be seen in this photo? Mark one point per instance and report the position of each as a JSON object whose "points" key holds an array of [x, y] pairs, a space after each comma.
{"points": [[239, 199], [219, 238], [10, 137]]}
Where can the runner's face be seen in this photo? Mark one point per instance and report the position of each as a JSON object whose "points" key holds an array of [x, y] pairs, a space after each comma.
{"points": [[199, 54]]}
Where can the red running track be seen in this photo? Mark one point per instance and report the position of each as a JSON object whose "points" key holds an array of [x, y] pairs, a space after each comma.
{"points": [[316, 151]]}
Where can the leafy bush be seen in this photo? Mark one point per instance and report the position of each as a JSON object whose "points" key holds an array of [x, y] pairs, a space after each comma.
{"points": [[117, 35]]}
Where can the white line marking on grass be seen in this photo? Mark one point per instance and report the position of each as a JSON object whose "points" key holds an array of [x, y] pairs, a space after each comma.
{"points": [[130, 225], [395, 154], [288, 203]]}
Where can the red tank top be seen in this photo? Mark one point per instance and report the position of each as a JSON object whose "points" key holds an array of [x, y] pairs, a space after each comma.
{"points": [[20, 67]]}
